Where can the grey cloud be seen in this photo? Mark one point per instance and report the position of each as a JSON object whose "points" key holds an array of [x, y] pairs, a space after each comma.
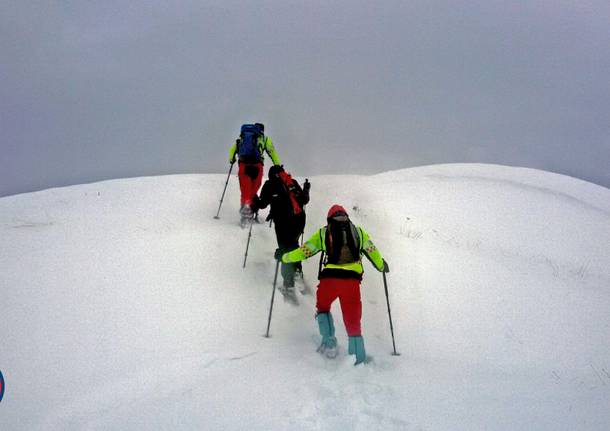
{"points": [[94, 90]]}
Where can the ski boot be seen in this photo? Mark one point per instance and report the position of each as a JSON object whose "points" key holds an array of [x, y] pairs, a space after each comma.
{"points": [[327, 329], [298, 270], [356, 347], [300, 280], [302, 286], [246, 215], [289, 294]]}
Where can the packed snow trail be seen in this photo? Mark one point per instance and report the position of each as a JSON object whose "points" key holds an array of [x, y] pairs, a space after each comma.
{"points": [[125, 306]]}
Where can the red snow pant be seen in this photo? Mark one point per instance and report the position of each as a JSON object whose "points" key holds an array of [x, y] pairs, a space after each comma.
{"points": [[348, 292], [250, 179]]}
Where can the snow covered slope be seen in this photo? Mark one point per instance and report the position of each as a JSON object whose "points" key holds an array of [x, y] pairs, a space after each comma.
{"points": [[124, 306]]}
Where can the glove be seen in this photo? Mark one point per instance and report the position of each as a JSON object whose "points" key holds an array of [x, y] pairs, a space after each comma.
{"points": [[307, 185], [386, 268], [231, 161], [278, 254]]}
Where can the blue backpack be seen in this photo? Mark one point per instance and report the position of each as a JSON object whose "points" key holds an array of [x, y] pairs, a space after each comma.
{"points": [[248, 149]]}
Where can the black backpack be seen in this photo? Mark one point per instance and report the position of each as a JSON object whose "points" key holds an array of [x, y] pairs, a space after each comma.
{"points": [[342, 242], [247, 148]]}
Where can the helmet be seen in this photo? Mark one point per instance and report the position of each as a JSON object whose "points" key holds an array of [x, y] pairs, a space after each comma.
{"points": [[336, 210]]}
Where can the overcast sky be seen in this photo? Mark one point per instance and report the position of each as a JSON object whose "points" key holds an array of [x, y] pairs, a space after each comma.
{"points": [[107, 89]]}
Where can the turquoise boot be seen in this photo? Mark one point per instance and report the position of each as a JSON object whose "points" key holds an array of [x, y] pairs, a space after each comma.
{"points": [[356, 347], [327, 330]]}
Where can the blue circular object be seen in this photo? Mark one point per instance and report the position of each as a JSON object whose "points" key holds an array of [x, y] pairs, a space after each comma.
{"points": [[1, 386]]}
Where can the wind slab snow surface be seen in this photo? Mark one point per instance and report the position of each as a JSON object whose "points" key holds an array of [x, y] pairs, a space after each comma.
{"points": [[125, 306]]}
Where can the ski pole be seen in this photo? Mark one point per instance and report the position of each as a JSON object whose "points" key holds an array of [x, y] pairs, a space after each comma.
{"points": [[248, 243], [277, 265], [385, 285], [223, 192]]}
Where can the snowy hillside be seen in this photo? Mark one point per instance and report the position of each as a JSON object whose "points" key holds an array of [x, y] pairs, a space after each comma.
{"points": [[124, 306]]}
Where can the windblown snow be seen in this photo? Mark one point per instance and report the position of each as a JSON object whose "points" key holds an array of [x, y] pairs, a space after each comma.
{"points": [[124, 306]]}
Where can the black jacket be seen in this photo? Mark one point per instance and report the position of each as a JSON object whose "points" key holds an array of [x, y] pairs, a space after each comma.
{"points": [[276, 194]]}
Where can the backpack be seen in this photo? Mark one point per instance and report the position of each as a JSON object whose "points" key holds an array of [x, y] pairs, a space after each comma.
{"points": [[294, 192], [248, 148], [342, 242]]}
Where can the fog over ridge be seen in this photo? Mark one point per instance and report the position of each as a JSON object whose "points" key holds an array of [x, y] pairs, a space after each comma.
{"points": [[92, 91]]}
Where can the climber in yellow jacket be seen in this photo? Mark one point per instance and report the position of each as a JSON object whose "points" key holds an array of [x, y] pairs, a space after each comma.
{"points": [[344, 244]]}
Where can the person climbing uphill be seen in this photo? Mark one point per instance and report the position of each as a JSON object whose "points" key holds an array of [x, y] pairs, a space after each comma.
{"points": [[287, 201], [343, 244], [249, 150]]}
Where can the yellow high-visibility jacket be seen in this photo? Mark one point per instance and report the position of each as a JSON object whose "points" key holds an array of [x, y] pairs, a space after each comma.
{"points": [[316, 243], [265, 144]]}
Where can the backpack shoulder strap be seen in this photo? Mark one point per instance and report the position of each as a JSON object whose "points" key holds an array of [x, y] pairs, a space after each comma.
{"points": [[360, 236], [322, 233], [323, 247]]}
